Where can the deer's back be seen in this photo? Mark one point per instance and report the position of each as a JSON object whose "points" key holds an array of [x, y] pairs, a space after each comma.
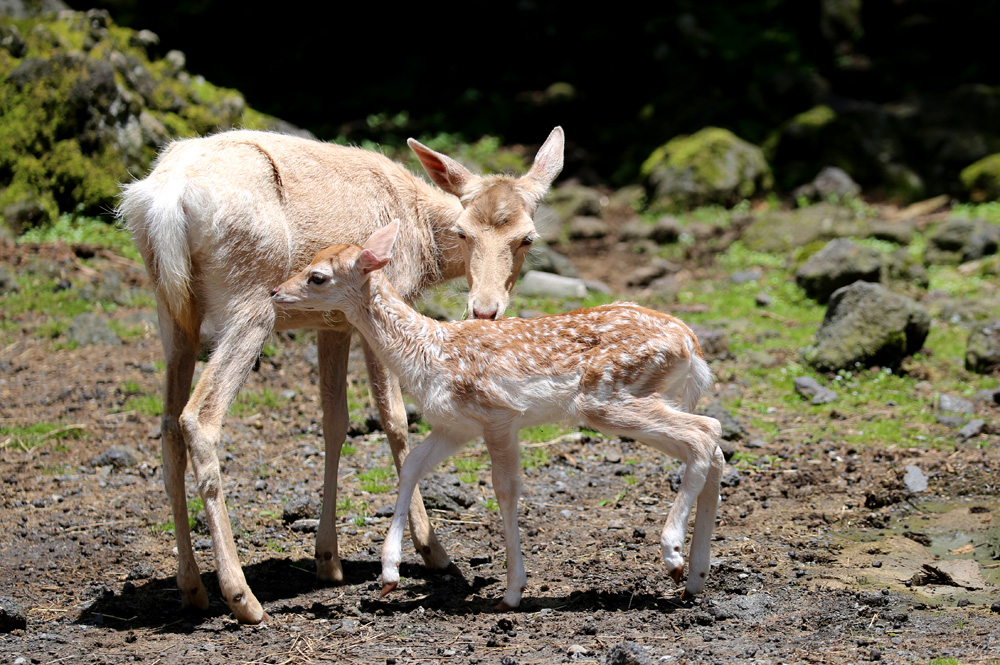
{"points": [[546, 362], [269, 202]]}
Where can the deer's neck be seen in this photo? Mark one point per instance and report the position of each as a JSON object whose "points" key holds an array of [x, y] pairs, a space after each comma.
{"points": [[436, 212]]}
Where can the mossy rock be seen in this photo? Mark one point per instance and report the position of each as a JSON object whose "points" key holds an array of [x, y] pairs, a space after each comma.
{"points": [[85, 108], [982, 179], [782, 231], [866, 324], [982, 351], [957, 240], [710, 166], [840, 263]]}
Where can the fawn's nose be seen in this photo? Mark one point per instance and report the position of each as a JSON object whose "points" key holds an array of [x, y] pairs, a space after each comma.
{"points": [[275, 291], [490, 315]]}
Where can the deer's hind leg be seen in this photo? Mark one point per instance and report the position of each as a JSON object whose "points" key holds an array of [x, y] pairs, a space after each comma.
{"points": [[180, 350], [693, 440], [228, 367]]}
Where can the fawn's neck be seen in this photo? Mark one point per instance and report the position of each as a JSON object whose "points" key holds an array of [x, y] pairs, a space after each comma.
{"points": [[405, 340]]}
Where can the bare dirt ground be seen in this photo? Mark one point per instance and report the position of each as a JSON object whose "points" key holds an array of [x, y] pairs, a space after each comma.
{"points": [[821, 554]]}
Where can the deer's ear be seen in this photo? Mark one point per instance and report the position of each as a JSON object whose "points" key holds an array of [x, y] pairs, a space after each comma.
{"points": [[446, 173], [378, 249]]}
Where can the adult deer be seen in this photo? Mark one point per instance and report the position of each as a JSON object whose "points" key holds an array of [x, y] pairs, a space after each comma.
{"points": [[220, 220], [622, 369]]}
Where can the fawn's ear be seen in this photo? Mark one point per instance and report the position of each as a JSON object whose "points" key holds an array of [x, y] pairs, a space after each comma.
{"points": [[378, 248]]}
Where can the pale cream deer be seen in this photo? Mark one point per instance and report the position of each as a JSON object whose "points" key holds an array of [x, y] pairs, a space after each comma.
{"points": [[220, 220], [622, 369]]}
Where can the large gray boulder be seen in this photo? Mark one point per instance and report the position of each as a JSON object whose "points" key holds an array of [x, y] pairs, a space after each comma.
{"points": [[839, 263], [867, 324], [982, 351], [961, 240]]}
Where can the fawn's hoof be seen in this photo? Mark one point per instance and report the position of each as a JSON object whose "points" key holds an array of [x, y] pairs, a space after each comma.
{"points": [[676, 574], [502, 606], [388, 588]]}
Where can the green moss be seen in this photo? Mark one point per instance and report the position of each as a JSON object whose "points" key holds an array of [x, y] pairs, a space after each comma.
{"points": [[982, 179], [70, 106], [817, 116], [711, 165]]}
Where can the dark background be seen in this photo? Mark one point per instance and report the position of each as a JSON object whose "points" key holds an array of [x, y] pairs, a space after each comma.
{"points": [[637, 74]]}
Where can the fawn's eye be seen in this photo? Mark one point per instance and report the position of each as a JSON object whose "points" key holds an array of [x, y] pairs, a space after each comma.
{"points": [[527, 241], [461, 234], [317, 278]]}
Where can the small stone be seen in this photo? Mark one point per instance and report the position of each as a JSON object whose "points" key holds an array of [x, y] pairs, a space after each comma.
{"points": [[347, 627], [995, 607], [915, 480], [116, 456], [744, 276], [954, 405], [576, 650], [305, 525], [810, 387], [972, 428], [876, 564], [299, 508], [12, 615], [628, 653]]}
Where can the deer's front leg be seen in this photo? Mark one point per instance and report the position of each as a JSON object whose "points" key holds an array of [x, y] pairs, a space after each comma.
{"points": [[392, 411], [333, 349]]}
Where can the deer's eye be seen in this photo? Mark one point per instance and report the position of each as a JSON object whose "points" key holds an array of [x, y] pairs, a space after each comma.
{"points": [[527, 241], [317, 278], [461, 234]]}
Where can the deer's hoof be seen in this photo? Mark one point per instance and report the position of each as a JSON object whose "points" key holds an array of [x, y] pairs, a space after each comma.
{"points": [[388, 588], [676, 574], [453, 570]]}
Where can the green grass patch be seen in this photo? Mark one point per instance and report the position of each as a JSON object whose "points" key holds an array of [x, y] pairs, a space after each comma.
{"points": [[469, 469], [346, 504], [250, 402], [41, 295], [81, 230], [378, 480], [542, 433], [32, 436], [534, 458], [988, 211], [146, 405]]}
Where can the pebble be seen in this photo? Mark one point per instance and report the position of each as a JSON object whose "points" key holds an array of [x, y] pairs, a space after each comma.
{"points": [[972, 428], [915, 480], [576, 650]]}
